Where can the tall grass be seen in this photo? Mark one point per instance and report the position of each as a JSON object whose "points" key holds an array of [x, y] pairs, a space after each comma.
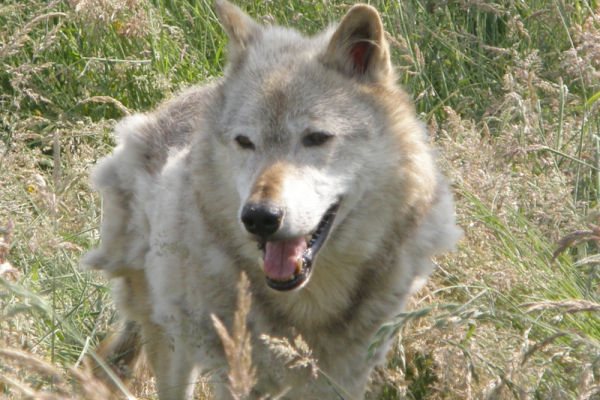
{"points": [[509, 89]]}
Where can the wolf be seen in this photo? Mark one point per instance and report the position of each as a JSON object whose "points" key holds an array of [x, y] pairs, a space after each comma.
{"points": [[306, 168]]}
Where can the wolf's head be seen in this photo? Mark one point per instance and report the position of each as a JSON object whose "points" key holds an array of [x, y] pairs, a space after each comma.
{"points": [[308, 128]]}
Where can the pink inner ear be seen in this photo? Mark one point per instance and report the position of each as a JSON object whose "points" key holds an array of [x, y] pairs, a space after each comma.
{"points": [[359, 56]]}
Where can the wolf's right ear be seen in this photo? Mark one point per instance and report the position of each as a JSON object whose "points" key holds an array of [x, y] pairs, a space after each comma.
{"points": [[358, 46], [241, 29]]}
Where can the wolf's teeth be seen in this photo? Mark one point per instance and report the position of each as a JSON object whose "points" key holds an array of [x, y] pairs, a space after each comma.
{"points": [[299, 264], [261, 263], [307, 238]]}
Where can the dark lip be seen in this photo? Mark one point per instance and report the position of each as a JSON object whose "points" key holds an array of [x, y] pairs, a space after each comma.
{"points": [[314, 245]]}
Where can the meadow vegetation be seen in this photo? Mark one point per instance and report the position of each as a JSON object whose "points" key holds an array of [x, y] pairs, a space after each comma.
{"points": [[510, 91]]}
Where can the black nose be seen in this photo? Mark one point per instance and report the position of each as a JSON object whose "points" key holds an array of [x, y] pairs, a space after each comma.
{"points": [[262, 219]]}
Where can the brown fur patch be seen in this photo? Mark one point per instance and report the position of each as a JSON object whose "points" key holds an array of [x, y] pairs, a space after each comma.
{"points": [[121, 350], [269, 184]]}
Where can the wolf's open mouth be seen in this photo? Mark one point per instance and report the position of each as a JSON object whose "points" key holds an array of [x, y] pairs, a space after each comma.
{"points": [[288, 264]]}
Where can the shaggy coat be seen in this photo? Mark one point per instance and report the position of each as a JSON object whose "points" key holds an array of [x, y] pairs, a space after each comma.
{"points": [[305, 167]]}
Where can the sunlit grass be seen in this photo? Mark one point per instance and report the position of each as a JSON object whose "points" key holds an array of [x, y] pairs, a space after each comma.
{"points": [[509, 89]]}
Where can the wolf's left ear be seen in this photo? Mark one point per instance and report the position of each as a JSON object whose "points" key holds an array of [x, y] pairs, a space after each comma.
{"points": [[358, 46], [241, 29]]}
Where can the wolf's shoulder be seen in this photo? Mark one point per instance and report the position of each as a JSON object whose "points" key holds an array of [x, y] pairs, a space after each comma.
{"points": [[129, 177], [148, 139]]}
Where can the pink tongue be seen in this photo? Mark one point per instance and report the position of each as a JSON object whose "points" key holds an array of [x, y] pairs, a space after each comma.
{"points": [[280, 257]]}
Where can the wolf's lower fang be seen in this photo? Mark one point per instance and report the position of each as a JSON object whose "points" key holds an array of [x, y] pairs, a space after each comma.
{"points": [[261, 263], [299, 264]]}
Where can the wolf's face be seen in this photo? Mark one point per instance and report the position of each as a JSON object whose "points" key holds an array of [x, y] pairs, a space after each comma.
{"points": [[302, 134], [296, 154]]}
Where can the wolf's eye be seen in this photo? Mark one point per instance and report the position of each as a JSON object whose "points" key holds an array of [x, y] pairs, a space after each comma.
{"points": [[315, 139], [244, 142]]}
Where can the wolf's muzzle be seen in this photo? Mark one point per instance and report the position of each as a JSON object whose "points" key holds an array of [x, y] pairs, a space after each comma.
{"points": [[262, 219]]}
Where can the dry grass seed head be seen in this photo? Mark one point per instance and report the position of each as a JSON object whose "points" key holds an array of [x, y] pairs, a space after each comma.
{"points": [[297, 355], [238, 347]]}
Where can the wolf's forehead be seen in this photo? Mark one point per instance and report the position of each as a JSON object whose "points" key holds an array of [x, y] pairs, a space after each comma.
{"points": [[278, 91], [282, 100], [282, 88], [279, 53], [272, 110], [292, 99], [281, 45]]}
